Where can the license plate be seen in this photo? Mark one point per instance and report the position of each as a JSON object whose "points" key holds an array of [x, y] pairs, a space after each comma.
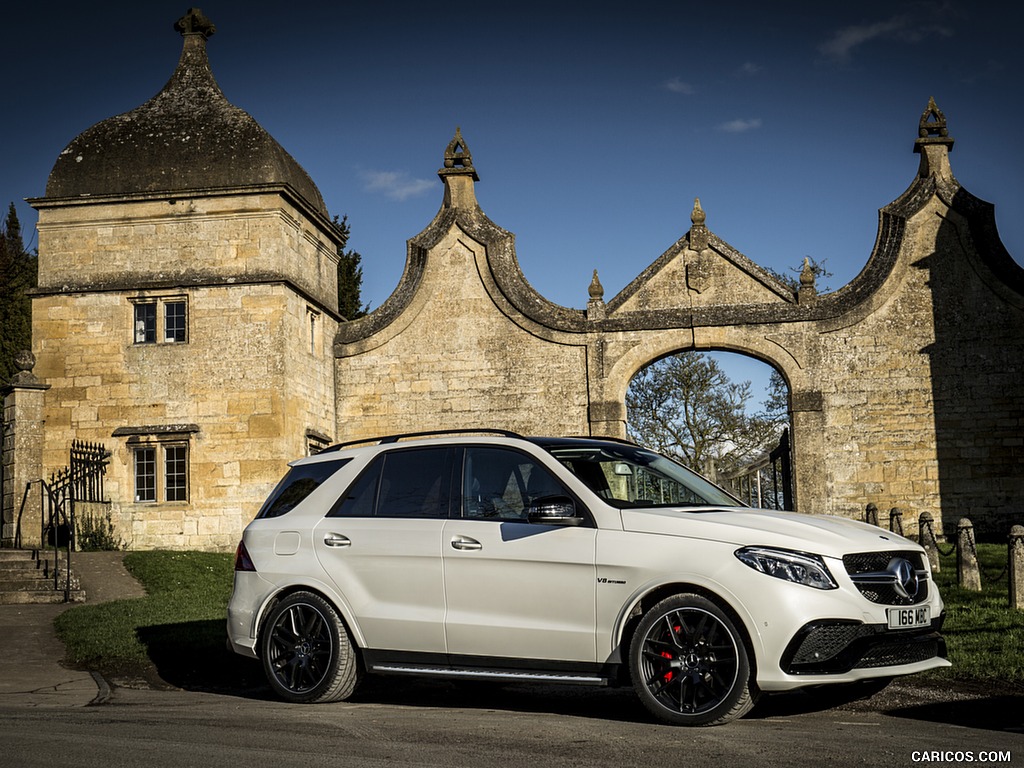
{"points": [[909, 618]]}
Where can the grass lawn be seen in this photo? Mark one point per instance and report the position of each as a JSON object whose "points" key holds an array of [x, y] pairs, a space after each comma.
{"points": [[177, 630], [985, 638]]}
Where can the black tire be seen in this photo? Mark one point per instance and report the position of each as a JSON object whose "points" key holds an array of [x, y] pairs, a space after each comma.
{"points": [[689, 663], [308, 656]]}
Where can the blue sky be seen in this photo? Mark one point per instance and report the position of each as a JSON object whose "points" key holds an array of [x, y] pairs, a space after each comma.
{"points": [[593, 126]]}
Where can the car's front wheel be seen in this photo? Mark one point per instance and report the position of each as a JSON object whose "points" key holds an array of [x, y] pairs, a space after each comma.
{"points": [[306, 650], [689, 663]]}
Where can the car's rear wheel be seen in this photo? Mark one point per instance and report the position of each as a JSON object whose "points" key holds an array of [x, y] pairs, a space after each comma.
{"points": [[306, 651], [689, 663]]}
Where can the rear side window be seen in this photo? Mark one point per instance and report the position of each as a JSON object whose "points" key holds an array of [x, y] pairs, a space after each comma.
{"points": [[404, 483], [300, 481]]}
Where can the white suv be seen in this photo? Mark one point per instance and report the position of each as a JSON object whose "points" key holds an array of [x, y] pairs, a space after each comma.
{"points": [[576, 560]]}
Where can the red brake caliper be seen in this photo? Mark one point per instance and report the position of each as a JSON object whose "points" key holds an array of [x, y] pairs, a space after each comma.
{"points": [[666, 655]]}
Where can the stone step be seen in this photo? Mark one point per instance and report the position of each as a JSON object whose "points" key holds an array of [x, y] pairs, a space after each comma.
{"points": [[26, 576], [15, 566], [39, 596], [17, 555]]}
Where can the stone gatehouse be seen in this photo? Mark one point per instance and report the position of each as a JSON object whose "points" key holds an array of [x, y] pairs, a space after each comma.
{"points": [[185, 319]]}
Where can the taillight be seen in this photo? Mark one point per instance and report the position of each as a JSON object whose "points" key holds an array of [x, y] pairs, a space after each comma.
{"points": [[242, 560]]}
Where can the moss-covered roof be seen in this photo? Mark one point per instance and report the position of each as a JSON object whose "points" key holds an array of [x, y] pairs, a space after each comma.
{"points": [[188, 137]]}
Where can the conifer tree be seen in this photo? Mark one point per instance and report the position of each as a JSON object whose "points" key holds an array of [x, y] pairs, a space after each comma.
{"points": [[18, 274], [350, 275]]}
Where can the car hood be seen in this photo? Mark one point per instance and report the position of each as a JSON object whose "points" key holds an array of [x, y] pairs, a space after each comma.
{"points": [[818, 534]]}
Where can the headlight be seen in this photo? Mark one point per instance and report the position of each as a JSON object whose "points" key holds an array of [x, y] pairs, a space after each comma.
{"points": [[809, 570]]}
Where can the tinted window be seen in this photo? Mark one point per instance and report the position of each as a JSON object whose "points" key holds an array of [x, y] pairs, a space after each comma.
{"points": [[403, 483], [502, 484], [414, 484], [300, 481], [360, 497]]}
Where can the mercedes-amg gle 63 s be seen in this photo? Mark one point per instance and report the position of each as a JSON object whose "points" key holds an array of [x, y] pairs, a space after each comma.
{"points": [[490, 556]]}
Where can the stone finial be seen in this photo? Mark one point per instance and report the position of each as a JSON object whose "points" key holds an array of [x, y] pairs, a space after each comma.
{"points": [[458, 174], [457, 156], [933, 124], [808, 290], [24, 361], [195, 23], [698, 232], [933, 143], [596, 309]]}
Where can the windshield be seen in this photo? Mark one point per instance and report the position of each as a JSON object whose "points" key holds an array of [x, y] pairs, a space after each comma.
{"points": [[628, 476]]}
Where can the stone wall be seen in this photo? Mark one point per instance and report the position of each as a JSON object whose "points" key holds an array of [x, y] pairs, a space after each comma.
{"points": [[251, 380]]}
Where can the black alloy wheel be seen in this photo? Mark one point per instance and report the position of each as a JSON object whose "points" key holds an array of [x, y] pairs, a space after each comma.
{"points": [[306, 651], [689, 663]]}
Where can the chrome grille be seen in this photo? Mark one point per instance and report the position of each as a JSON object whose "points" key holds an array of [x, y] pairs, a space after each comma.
{"points": [[881, 577]]}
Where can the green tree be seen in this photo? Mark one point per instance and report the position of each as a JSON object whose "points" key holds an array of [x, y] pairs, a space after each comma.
{"points": [[685, 406], [350, 275], [18, 274]]}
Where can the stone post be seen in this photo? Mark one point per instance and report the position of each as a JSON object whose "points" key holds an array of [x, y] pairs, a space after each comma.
{"points": [[871, 514], [896, 520], [23, 422], [968, 575], [1016, 567], [926, 538]]}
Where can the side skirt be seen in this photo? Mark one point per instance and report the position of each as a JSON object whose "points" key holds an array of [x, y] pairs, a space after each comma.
{"points": [[486, 668]]}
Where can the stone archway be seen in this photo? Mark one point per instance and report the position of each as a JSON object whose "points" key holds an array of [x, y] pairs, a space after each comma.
{"points": [[873, 418]]}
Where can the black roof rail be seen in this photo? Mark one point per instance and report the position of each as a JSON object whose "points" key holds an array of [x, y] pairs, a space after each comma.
{"points": [[602, 438], [387, 439]]}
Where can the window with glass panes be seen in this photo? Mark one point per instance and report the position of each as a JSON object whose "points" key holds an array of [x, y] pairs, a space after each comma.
{"points": [[161, 472], [145, 474], [168, 313], [145, 323], [174, 321]]}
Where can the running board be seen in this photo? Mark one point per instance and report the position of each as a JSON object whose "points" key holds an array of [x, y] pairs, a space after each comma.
{"points": [[487, 674]]}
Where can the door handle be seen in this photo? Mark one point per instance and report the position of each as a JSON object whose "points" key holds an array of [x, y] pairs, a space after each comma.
{"points": [[466, 544], [337, 540]]}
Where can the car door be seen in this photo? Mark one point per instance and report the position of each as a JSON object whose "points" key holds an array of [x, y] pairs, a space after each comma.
{"points": [[381, 546], [515, 589]]}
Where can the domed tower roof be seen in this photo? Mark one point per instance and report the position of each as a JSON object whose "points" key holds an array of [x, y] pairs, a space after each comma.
{"points": [[186, 138]]}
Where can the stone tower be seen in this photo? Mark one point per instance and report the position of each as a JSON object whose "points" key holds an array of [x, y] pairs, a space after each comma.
{"points": [[186, 305]]}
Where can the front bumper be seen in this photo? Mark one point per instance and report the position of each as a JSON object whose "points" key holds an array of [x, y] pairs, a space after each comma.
{"points": [[836, 647]]}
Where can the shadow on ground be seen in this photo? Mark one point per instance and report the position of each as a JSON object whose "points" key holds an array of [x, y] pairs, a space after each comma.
{"points": [[194, 656]]}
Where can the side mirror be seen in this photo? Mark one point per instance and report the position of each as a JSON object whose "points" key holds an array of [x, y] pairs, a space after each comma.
{"points": [[553, 510]]}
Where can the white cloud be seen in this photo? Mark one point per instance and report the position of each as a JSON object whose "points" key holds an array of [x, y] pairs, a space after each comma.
{"points": [[841, 47], [396, 185], [741, 125], [749, 68], [842, 44], [678, 86]]}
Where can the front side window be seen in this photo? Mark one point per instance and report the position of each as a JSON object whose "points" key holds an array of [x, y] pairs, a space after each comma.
{"points": [[502, 484]]}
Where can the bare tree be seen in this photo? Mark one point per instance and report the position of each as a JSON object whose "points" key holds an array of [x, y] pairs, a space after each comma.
{"points": [[684, 405]]}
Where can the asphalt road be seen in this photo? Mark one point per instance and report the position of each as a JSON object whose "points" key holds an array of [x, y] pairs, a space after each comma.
{"points": [[400, 722]]}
